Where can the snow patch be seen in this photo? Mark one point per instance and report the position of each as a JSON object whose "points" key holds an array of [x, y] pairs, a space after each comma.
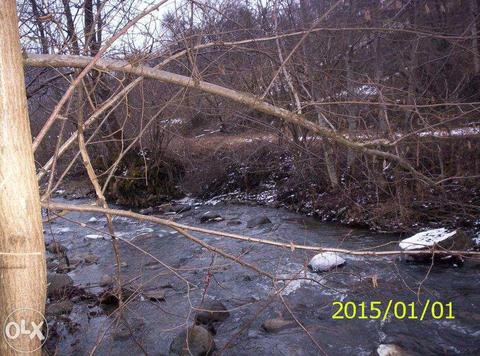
{"points": [[426, 239]]}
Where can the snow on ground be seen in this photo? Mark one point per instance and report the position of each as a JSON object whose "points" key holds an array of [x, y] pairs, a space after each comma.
{"points": [[426, 239]]}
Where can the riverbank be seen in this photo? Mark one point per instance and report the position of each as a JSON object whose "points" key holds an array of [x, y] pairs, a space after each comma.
{"points": [[274, 178]]}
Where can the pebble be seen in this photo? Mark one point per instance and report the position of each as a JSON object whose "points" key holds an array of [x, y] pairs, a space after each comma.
{"points": [[106, 280], [277, 324], [90, 259], [56, 247], [200, 343]]}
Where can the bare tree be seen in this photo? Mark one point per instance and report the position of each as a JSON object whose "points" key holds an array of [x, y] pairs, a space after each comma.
{"points": [[22, 249]]}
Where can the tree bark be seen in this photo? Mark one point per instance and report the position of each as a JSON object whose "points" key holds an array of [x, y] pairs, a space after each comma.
{"points": [[22, 250]]}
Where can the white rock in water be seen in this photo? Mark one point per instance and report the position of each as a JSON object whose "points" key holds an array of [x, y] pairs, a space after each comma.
{"points": [[94, 237], [391, 350], [325, 261], [426, 239]]}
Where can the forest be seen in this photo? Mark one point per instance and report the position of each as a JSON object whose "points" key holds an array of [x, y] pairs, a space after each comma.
{"points": [[255, 177]]}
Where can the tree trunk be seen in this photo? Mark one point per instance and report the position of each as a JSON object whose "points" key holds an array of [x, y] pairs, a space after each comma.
{"points": [[412, 69], [352, 117], [476, 59], [328, 154], [382, 109], [72, 35], [22, 250], [41, 31]]}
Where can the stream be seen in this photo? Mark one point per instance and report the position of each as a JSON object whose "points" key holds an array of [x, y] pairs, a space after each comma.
{"points": [[248, 295]]}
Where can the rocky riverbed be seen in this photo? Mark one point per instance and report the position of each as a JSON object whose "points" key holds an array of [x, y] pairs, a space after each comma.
{"points": [[171, 283]]}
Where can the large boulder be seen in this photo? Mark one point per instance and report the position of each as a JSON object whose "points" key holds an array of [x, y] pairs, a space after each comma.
{"points": [[325, 261], [200, 342]]}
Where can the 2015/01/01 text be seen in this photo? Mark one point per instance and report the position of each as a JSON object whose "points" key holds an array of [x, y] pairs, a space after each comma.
{"points": [[399, 309]]}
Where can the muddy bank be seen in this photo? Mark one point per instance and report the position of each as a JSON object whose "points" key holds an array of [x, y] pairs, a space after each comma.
{"points": [[372, 193], [162, 303]]}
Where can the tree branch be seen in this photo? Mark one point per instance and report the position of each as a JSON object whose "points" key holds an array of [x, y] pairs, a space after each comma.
{"points": [[38, 60]]}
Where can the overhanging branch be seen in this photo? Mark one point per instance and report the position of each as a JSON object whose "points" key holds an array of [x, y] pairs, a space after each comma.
{"points": [[57, 61]]}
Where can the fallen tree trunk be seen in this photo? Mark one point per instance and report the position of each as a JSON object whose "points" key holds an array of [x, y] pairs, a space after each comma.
{"points": [[39, 60]]}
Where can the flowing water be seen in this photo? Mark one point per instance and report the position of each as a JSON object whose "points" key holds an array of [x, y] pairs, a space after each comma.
{"points": [[248, 295]]}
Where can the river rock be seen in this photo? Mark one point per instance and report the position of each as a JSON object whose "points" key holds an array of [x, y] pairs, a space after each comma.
{"points": [[200, 343], [60, 308], [56, 248], [214, 311], [57, 283], [210, 217], [90, 259], [174, 208], [277, 324], [325, 261], [391, 350], [181, 208], [106, 280], [257, 221]]}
